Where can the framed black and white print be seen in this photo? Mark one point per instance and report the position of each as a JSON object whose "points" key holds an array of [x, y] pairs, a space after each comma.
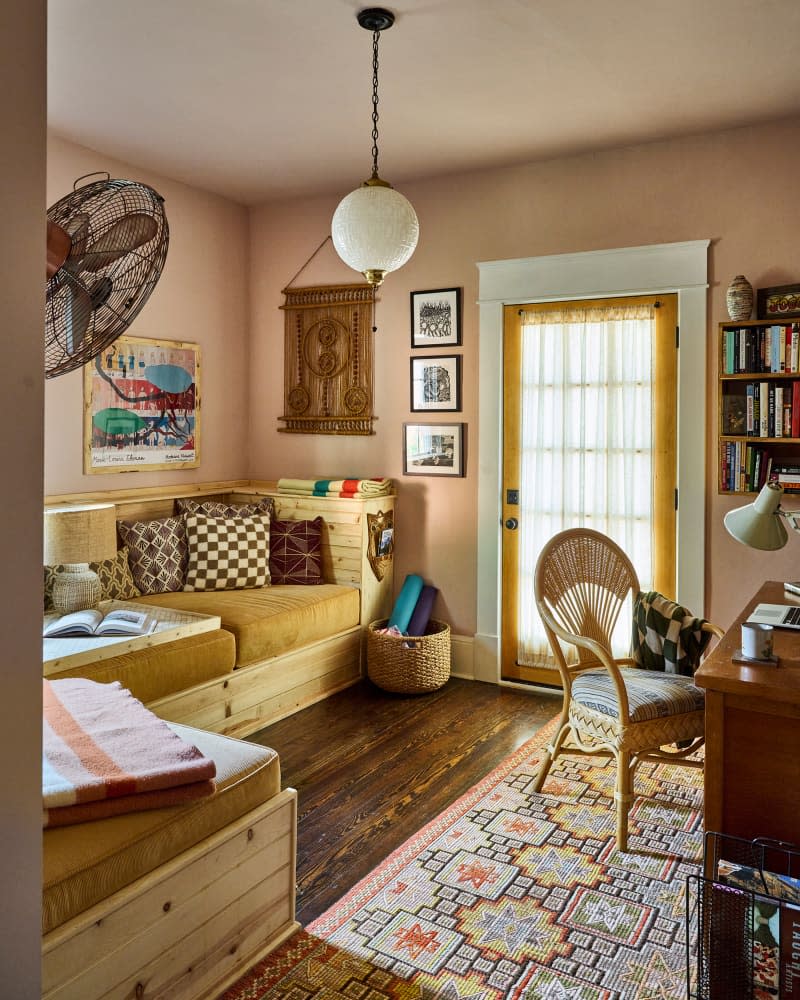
{"points": [[436, 383], [434, 450], [436, 318]]}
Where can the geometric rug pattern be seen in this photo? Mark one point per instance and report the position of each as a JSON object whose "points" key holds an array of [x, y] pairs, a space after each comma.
{"points": [[513, 894]]}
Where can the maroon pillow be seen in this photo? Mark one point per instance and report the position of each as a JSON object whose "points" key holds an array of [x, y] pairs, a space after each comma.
{"points": [[157, 553], [295, 551], [218, 508]]}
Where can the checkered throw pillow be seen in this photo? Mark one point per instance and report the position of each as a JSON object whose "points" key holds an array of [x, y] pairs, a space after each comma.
{"points": [[227, 553]]}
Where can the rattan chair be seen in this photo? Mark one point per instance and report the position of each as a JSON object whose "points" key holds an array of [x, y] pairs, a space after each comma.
{"points": [[611, 707]]}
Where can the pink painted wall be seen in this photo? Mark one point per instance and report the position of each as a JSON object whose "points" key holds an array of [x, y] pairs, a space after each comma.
{"points": [[201, 297], [738, 188]]}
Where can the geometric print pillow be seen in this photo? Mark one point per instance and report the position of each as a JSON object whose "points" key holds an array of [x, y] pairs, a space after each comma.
{"points": [[157, 553], [218, 508], [227, 553], [116, 582], [295, 551]]}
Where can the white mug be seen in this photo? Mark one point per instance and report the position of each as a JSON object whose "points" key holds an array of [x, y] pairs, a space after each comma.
{"points": [[756, 640]]}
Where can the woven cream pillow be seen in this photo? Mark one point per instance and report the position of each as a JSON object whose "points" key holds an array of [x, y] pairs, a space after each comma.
{"points": [[227, 553]]}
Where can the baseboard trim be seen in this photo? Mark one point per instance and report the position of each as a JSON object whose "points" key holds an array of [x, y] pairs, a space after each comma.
{"points": [[473, 659]]}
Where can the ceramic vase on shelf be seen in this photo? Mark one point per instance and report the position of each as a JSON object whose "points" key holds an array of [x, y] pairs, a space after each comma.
{"points": [[739, 298]]}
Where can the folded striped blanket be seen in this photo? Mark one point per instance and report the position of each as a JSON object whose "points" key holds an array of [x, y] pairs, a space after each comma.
{"points": [[104, 753], [358, 488], [666, 636]]}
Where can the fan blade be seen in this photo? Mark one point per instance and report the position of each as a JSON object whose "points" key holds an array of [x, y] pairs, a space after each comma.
{"points": [[78, 229], [127, 234], [77, 314], [59, 245]]}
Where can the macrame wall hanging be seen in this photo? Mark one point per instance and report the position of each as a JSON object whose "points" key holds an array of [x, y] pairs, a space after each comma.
{"points": [[328, 360]]}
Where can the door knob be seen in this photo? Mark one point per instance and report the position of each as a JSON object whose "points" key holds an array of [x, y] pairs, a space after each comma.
{"points": [[512, 523]]}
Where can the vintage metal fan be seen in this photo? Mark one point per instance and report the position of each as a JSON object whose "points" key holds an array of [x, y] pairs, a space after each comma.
{"points": [[106, 246]]}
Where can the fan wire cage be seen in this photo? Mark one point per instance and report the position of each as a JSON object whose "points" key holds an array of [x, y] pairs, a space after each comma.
{"points": [[116, 244]]}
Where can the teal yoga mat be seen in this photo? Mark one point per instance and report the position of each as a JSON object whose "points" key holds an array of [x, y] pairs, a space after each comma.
{"points": [[406, 601], [422, 611]]}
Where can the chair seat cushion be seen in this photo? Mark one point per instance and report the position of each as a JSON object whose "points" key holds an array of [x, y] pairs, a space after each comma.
{"points": [[651, 695]]}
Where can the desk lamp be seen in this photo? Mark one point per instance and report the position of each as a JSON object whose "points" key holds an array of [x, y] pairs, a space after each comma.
{"points": [[760, 524], [74, 536]]}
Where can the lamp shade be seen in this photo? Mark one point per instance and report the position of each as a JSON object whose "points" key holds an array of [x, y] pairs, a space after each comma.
{"points": [[375, 230], [759, 524], [79, 534]]}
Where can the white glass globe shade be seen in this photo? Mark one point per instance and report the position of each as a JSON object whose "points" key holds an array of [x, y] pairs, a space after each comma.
{"points": [[375, 229]]}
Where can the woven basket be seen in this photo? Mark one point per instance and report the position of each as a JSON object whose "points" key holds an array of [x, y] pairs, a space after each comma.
{"points": [[408, 664]]}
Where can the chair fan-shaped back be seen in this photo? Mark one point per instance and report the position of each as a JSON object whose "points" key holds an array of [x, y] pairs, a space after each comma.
{"points": [[583, 579]]}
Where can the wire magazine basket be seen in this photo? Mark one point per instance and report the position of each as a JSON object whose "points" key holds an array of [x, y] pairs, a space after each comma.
{"points": [[743, 921]]}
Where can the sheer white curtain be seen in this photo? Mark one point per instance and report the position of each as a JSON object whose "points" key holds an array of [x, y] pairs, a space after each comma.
{"points": [[586, 459]]}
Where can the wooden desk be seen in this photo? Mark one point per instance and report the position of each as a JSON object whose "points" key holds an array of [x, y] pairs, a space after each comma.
{"points": [[75, 651], [752, 769]]}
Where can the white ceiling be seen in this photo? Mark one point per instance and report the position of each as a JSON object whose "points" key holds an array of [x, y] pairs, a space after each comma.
{"points": [[268, 99]]}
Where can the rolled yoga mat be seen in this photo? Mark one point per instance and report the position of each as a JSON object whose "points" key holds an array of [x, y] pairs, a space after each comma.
{"points": [[422, 611], [406, 602]]}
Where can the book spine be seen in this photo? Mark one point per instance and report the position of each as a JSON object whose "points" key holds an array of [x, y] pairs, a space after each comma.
{"points": [[749, 425], [778, 429], [763, 409], [771, 410], [796, 409], [795, 347]]}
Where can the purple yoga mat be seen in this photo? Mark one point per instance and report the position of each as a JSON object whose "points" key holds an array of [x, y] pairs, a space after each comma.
{"points": [[422, 611]]}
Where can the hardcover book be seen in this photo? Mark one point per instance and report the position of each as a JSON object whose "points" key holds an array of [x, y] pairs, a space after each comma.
{"points": [[92, 622]]}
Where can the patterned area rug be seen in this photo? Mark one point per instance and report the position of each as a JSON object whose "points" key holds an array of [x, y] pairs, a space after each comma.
{"points": [[513, 894]]}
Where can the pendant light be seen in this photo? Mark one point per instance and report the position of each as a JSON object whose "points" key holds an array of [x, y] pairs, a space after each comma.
{"points": [[375, 229]]}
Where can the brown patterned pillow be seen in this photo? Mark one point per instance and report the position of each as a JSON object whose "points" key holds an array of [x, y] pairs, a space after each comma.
{"points": [[157, 553], [50, 574], [116, 581], [227, 553], [295, 551], [217, 508]]}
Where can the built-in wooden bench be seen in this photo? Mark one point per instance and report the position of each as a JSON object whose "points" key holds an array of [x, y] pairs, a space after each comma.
{"points": [[259, 693]]}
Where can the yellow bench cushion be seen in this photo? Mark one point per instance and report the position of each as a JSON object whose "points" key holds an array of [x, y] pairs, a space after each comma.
{"points": [[85, 863], [155, 671], [269, 621]]}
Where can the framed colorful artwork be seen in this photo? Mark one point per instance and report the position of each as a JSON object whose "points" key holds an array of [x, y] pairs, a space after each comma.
{"points": [[436, 382], [436, 318], [142, 407], [780, 302], [434, 450]]}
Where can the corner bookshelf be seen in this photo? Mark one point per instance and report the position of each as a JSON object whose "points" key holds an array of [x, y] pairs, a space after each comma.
{"points": [[758, 416]]}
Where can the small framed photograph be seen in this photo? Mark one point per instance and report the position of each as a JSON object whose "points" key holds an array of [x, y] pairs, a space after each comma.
{"points": [[434, 449], [781, 302], [436, 318], [436, 383]]}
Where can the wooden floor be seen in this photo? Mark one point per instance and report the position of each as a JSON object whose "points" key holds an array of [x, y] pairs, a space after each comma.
{"points": [[372, 768]]}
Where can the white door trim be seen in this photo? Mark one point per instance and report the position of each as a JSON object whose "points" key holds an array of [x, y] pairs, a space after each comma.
{"points": [[666, 267]]}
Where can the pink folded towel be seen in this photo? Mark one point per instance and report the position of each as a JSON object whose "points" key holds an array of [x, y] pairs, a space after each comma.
{"points": [[105, 753]]}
